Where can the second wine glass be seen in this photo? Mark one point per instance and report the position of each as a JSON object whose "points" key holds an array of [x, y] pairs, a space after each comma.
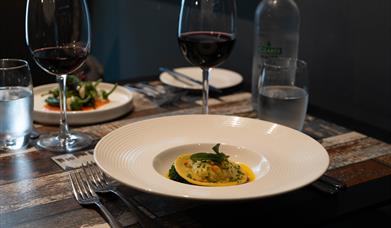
{"points": [[206, 36], [58, 36]]}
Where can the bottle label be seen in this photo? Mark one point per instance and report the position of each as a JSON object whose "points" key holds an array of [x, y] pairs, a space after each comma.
{"points": [[267, 50]]}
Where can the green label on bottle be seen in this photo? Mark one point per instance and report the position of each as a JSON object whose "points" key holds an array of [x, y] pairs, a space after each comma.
{"points": [[267, 50]]}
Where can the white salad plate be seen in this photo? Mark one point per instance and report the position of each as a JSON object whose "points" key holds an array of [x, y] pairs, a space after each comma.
{"points": [[141, 153], [219, 78], [121, 102]]}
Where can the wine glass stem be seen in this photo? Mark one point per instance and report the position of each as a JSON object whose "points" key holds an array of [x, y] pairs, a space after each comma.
{"points": [[205, 90], [64, 129]]}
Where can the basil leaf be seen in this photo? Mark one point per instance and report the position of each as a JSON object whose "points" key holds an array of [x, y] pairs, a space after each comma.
{"points": [[205, 157], [216, 148]]}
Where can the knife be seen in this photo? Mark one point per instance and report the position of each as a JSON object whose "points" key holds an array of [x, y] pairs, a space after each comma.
{"points": [[180, 77], [328, 184], [332, 181]]}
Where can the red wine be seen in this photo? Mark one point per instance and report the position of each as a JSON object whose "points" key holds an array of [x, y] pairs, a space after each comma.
{"points": [[206, 49], [61, 59]]}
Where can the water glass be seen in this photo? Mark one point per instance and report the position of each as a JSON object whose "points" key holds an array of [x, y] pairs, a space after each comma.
{"points": [[16, 104], [283, 92]]}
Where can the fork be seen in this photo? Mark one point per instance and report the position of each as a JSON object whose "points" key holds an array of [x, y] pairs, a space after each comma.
{"points": [[101, 184], [86, 196]]}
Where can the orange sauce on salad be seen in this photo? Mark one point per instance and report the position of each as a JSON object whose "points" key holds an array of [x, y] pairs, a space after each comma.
{"points": [[98, 103]]}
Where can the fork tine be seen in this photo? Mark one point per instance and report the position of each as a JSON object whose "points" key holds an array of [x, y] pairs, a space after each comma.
{"points": [[88, 187], [75, 192], [94, 175], [78, 186], [100, 175], [89, 174], [93, 171], [83, 188]]}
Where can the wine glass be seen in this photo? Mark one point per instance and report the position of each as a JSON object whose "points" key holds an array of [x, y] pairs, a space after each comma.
{"points": [[206, 36], [58, 36]]}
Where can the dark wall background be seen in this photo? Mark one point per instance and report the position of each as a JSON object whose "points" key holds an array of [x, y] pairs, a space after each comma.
{"points": [[348, 49], [12, 39], [347, 44]]}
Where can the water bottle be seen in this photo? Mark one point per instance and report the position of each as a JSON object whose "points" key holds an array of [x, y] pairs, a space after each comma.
{"points": [[276, 34]]}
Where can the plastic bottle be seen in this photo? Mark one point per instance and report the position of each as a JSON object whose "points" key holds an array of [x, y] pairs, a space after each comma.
{"points": [[276, 34]]}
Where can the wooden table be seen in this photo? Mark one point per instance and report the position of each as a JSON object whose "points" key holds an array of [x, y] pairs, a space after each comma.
{"points": [[36, 192]]}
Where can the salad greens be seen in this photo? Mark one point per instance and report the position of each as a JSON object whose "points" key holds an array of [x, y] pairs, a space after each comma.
{"points": [[79, 94]]}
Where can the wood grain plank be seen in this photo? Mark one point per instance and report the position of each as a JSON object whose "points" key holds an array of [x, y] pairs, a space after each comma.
{"points": [[32, 192], [361, 172], [76, 218], [13, 153], [364, 149], [386, 159], [318, 128], [70, 213], [28, 214], [342, 139], [21, 166], [48, 199]]}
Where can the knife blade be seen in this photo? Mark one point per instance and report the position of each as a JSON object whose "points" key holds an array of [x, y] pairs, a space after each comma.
{"points": [[180, 77], [332, 181]]}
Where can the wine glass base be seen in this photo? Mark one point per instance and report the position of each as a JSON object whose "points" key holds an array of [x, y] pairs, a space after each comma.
{"points": [[75, 142]]}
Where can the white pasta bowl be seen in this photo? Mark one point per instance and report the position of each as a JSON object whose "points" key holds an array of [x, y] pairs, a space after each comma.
{"points": [[140, 154]]}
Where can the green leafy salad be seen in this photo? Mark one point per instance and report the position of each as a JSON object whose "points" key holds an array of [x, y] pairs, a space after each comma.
{"points": [[81, 95]]}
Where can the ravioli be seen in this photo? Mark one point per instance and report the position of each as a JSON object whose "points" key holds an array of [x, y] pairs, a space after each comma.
{"points": [[212, 169]]}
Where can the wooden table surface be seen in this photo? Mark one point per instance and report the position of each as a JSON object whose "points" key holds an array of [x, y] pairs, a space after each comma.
{"points": [[36, 192]]}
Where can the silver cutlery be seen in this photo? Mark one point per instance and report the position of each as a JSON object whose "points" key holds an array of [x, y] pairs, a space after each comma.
{"points": [[150, 90], [332, 181], [328, 184], [143, 90], [160, 95], [86, 196], [180, 77], [101, 184]]}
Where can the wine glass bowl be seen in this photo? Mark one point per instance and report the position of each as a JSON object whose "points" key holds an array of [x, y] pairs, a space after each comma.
{"points": [[58, 37], [206, 35], [206, 49], [60, 60]]}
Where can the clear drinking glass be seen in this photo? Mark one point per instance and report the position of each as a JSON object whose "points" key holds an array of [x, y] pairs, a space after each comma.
{"points": [[206, 35], [58, 36], [283, 92], [16, 104]]}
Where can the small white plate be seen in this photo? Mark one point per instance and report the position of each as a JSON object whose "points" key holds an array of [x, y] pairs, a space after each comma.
{"points": [[140, 154], [121, 102], [219, 78]]}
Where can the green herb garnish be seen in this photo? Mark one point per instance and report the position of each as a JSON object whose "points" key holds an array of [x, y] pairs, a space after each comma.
{"points": [[217, 157], [105, 95]]}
